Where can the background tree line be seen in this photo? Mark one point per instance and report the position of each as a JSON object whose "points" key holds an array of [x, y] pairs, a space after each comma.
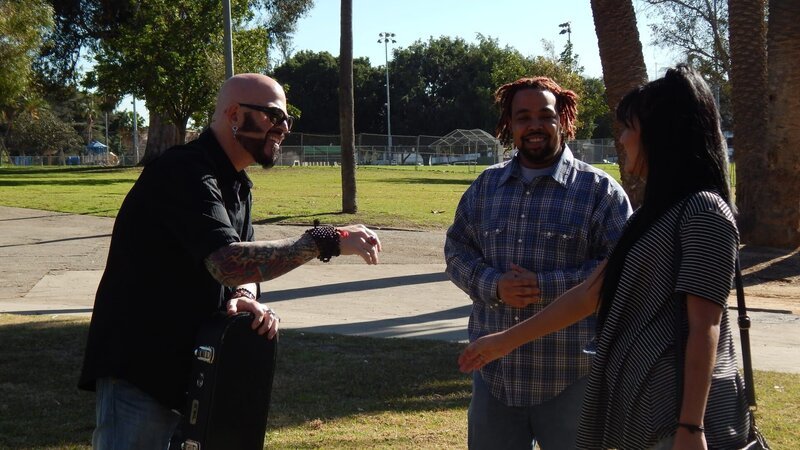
{"points": [[436, 86]]}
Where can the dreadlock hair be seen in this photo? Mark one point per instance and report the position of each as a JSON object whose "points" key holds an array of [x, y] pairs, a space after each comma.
{"points": [[566, 106], [683, 148]]}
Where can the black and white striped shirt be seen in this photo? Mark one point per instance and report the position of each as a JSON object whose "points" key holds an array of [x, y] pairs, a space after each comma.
{"points": [[631, 398]]}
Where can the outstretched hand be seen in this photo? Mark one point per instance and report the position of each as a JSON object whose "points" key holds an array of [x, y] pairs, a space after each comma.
{"points": [[482, 352], [360, 241]]}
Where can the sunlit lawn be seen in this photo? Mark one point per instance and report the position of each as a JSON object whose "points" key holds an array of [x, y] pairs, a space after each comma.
{"points": [[414, 197]]}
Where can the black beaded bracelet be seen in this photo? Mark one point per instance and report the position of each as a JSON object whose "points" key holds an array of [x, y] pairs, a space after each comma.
{"points": [[691, 427], [327, 239], [242, 292]]}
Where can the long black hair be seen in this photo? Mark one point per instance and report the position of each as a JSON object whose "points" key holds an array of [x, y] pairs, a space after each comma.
{"points": [[682, 146]]}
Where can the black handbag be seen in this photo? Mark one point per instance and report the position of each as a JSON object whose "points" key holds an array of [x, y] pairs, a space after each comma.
{"points": [[755, 439]]}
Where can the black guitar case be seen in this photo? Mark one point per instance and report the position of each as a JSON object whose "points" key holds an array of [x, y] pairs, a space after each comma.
{"points": [[230, 387]]}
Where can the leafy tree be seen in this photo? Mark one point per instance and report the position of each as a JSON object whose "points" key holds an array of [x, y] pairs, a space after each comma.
{"points": [[42, 134], [169, 52], [593, 112], [22, 26], [698, 29], [281, 22], [312, 80], [436, 87]]}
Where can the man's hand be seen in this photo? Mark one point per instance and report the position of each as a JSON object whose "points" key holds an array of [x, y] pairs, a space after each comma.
{"points": [[265, 322], [360, 241], [519, 287]]}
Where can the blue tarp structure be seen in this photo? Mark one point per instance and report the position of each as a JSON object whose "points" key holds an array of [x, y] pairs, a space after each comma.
{"points": [[95, 147]]}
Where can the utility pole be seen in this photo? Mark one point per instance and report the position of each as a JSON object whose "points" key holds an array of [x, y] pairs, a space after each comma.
{"points": [[135, 132], [385, 39]]}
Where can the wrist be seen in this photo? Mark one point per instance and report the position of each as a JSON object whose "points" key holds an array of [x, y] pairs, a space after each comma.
{"points": [[327, 239], [691, 428], [242, 292]]}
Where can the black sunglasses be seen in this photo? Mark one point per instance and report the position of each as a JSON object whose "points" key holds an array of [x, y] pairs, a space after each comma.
{"points": [[274, 114]]}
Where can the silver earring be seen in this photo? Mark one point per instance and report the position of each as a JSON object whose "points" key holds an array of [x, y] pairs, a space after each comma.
{"points": [[235, 129]]}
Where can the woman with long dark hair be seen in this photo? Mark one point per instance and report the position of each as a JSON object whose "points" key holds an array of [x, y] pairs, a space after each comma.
{"points": [[665, 372]]}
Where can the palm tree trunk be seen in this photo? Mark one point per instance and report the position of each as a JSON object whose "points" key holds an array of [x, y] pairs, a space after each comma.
{"points": [[346, 114], [748, 41], [780, 224], [623, 67]]}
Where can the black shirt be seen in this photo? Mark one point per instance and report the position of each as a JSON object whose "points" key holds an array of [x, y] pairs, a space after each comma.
{"points": [[156, 290]]}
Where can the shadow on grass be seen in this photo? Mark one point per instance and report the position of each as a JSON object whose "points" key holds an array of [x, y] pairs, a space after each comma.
{"points": [[318, 376], [63, 182], [279, 219], [768, 264], [330, 376], [59, 169]]}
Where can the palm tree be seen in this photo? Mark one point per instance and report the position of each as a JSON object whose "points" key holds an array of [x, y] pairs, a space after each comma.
{"points": [[623, 66], [780, 225], [346, 114], [748, 40]]}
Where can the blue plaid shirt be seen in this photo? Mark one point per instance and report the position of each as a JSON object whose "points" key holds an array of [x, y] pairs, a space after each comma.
{"points": [[560, 227]]}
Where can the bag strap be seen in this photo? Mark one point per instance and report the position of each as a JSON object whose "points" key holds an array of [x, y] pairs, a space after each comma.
{"points": [[680, 312], [744, 334]]}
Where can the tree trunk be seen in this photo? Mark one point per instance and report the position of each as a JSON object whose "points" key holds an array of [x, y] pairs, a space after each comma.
{"points": [[346, 114], [161, 135], [623, 68], [779, 226], [748, 41]]}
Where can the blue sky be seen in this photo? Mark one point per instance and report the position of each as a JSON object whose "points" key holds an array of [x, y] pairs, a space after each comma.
{"points": [[521, 24]]}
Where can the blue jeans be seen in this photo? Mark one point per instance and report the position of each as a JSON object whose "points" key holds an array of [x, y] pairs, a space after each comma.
{"points": [[552, 424], [128, 418]]}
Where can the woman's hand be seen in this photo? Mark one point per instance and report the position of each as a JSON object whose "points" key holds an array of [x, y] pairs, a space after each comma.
{"points": [[483, 351]]}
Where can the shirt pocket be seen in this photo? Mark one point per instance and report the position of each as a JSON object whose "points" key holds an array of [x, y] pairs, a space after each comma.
{"points": [[496, 241], [557, 245]]}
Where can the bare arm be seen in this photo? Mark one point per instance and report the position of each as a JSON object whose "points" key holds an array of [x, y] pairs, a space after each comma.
{"points": [[253, 262], [574, 305], [701, 353]]}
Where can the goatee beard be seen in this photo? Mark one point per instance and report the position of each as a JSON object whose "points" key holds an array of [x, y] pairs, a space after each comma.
{"points": [[256, 149]]}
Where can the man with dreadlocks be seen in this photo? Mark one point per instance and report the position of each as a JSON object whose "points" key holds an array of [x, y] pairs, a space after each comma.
{"points": [[526, 231]]}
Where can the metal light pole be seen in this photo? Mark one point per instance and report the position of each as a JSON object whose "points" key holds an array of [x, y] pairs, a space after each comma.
{"points": [[385, 38], [135, 132], [108, 144]]}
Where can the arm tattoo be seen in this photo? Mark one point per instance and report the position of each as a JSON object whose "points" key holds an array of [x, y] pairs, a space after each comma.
{"points": [[254, 262]]}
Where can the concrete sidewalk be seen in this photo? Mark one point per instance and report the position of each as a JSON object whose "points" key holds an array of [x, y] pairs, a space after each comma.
{"points": [[51, 263]]}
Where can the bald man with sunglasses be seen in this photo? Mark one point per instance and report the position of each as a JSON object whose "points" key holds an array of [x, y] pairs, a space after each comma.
{"points": [[182, 248]]}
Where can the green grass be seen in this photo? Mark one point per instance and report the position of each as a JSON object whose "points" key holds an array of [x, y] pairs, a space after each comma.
{"points": [[330, 391], [396, 197]]}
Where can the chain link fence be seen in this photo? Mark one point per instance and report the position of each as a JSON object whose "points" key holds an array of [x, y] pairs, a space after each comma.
{"points": [[305, 149]]}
